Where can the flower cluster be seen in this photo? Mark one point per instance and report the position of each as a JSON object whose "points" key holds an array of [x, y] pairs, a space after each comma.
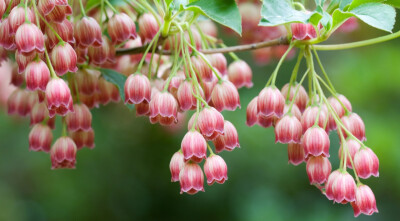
{"points": [[304, 120]]}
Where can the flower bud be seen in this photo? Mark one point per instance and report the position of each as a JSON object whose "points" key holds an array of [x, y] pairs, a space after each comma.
{"points": [[137, 89], [80, 119], [40, 138], [352, 146], [355, 125], [338, 108], [7, 38], [175, 166], [104, 53], [65, 30], [191, 178], [218, 61], [3, 7], [310, 116], [316, 142], [201, 68], [301, 99], [210, 123], [295, 154], [23, 60], [63, 153], [148, 26], [29, 38], [163, 109], [38, 113], [59, 13], [186, 99], [365, 201], [18, 103], [240, 74], [288, 130], [270, 102], [225, 96], [86, 82], [251, 112], [340, 187], [46, 6], [37, 75], [318, 169], [208, 87], [63, 58], [215, 169], [227, 141], [58, 96], [121, 28], [194, 147], [83, 138], [107, 92], [302, 31], [366, 163], [88, 33], [17, 18]]}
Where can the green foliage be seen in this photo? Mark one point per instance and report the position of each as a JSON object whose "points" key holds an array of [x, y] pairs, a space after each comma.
{"points": [[224, 12], [118, 80]]}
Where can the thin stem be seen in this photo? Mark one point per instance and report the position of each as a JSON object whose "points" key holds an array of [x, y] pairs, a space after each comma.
{"points": [[26, 12], [333, 94], [82, 8], [323, 70], [151, 58], [294, 74], [358, 43], [52, 72], [101, 14], [8, 8], [49, 26], [151, 10], [112, 7], [138, 8], [147, 50], [275, 73], [297, 90], [210, 149], [233, 55]]}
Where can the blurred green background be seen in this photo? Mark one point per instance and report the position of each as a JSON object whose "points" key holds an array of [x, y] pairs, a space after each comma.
{"points": [[126, 176]]}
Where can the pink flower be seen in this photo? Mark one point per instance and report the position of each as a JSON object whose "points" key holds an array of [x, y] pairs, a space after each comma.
{"points": [[23, 60], [163, 109], [338, 108], [59, 13], [65, 30], [295, 154], [215, 169], [16, 18], [316, 142], [121, 28], [270, 102], [63, 153], [104, 53], [107, 92], [63, 58], [37, 75], [148, 26], [38, 113], [341, 187], [83, 138], [80, 119], [186, 99], [7, 38], [318, 169], [310, 116], [59, 99], [240, 74], [29, 38], [40, 138], [288, 130], [175, 166], [301, 99], [352, 146], [225, 96], [218, 61], [18, 102], [365, 201], [137, 89], [194, 147], [87, 82], [227, 141], [210, 123], [88, 33], [201, 68], [355, 125], [366, 163], [47, 6], [191, 178], [302, 31], [208, 87]]}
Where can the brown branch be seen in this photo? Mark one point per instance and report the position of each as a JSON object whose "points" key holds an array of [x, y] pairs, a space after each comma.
{"points": [[253, 46]]}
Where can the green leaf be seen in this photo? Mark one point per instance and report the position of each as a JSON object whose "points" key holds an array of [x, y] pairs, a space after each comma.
{"points": [[279, 12], [326, 20], [357, 3], [118, 80], [377, 15], [344, 3], [394, 3], [320, 2], [91, 4], [224, 12]]}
